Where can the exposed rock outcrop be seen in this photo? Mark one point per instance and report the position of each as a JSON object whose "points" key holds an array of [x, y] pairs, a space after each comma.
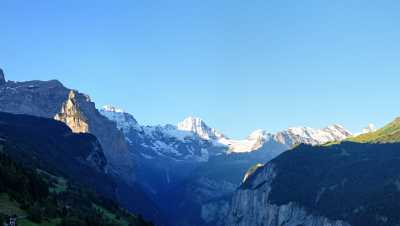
{"points": [[71, 115], [251, 206], [50, 99], [2, 78], [333, 185]]}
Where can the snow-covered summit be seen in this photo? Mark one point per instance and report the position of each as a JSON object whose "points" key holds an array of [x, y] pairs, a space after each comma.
{"points": [[369, 129], [307, 135], [192, 138], [290, 137], [253, 142], [111, 108], [125, 121], [199, 127]]}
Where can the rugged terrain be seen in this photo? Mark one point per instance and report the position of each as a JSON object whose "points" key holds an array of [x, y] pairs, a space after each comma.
{"points": [[336, 185], [50, 99], [191, 170]]}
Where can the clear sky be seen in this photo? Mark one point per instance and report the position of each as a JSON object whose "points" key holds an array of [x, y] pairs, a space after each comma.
{"points": [[240, 65]]}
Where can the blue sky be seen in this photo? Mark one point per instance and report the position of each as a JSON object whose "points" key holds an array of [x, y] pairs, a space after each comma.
{"points": [[239, 65]]}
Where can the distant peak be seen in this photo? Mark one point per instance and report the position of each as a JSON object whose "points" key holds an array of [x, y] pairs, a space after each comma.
{"points": [[257, 134], [339, 128], [193, 124], [191, 121], [199, 127], [336, 126], [111, 108], [369, 129]]}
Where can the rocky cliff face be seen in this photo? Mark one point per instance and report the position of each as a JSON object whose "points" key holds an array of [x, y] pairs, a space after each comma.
{"points": [[338, 185], [71, 115], [2, 79], [251, 206], [192, 169], [50, 99]]}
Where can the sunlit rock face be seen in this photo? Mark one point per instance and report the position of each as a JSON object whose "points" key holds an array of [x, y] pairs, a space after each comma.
{"points": [[251, 206], [71, 115], [50, 99]]}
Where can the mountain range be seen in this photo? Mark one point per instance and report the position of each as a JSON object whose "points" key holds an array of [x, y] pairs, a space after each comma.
{"points": [[192, 169], [193, 174], [168, 138]]}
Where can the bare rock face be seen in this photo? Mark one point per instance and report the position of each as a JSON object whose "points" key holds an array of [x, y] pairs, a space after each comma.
{"points": [[2, 78], [251, 206], [71, 115], [50, 99]]}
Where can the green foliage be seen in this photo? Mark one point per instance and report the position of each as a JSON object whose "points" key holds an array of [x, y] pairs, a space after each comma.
{"points": [[26, 193], [35, 213], [51, 222], [354, 182], [9, 207], [388, 134]]}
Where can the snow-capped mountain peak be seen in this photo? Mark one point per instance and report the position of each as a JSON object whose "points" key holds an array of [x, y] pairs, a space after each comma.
{"points": [[111, 108], [198, 126], [307, 135], [125, 121], [370, 128], [194, 139], [258, 134]]}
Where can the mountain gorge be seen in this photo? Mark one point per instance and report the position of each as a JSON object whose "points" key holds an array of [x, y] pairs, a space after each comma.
{"points": [[192, 170]]}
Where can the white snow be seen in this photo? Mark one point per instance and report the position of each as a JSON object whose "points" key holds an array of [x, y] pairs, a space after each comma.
{"points": [[164, 140], [199, 127], [111, 108], [370, 128], [124, 121]]}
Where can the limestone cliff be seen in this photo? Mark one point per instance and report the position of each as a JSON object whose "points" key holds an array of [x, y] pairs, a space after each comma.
{"points": [[50, 99], [70, 114]]}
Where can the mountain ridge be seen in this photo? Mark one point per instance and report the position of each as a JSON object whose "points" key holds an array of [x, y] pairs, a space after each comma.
{"points": [[390, 133], [197, 126]]}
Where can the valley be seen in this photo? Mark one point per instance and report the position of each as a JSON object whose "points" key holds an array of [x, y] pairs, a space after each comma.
{"points": [[190, 173]]}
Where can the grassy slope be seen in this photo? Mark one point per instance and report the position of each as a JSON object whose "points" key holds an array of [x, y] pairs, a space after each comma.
{"points": [[26, 222], [9, 206], [388, 134], [58, 186]]}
